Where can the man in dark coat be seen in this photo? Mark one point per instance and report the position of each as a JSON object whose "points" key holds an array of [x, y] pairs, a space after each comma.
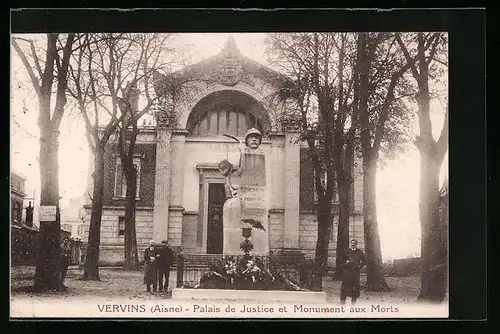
{"points": [[65, 259], [354, 261], [150, 267], [164, 260]]}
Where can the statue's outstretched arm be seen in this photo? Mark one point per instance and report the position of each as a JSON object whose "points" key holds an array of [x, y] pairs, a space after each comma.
{"points": [[241, 163]]}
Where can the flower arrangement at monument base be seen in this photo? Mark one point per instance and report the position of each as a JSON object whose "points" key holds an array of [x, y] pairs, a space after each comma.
{"points": [[245, 273]]}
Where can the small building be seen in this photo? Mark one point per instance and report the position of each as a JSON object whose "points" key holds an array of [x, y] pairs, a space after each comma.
{"points": [[180, 192], [23, 231]]}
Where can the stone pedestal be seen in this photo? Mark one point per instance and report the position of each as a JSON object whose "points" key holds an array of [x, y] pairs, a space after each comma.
{"points": [[232, 226], [277, 177]]}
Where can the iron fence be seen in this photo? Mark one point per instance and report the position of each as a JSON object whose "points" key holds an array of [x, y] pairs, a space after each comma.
{"points": [[191, 267]]}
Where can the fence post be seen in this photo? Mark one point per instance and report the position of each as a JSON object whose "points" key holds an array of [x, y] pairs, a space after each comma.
{"points": [[180, 270]]}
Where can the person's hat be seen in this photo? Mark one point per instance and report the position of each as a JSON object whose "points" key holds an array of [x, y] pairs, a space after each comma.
{"points": [[151, 242], [253, 131]]}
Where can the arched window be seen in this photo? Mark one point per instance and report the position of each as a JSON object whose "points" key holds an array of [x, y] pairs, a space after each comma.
{"points": [[230, 119]]}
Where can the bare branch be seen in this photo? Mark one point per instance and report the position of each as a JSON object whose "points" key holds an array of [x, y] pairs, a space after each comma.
{"points": [[433, 49], [379, 129], [409, 59], [27, 65], [62, 81]]}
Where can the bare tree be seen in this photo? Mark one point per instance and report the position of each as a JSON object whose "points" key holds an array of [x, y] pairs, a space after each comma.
{"points": [[87, 72], [321, 72], [425, 47], [383, 121], [46, 69], [142, 69], [105, 76]]}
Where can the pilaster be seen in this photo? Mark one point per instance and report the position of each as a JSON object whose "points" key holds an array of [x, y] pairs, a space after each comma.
{"points": [[291, 190], [277, 179], [177, 151], [176, 207], [162, 185]]}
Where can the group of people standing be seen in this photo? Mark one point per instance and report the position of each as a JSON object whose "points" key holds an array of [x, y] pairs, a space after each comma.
{"points": [[159, 258], [157, 262]]}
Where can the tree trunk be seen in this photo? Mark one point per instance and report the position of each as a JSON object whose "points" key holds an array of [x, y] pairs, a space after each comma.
{"points": [[91, 267], [342, 227], [131, 256], [321, 254], [343, 165], [433, 230], [375, 280], [47, 264]]}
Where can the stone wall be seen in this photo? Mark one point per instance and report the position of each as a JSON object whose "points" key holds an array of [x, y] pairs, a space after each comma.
{"points": [[175, 221], [276, 224], [190, 233], [112, 245], [308, 231], [147, 153]]}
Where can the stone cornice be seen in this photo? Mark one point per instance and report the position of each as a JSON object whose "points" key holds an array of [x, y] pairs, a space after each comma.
{"points": [[190, 213], [210, 166], [118, 207], [16, 192], [180, 132], [279, 134], [176, 208]]}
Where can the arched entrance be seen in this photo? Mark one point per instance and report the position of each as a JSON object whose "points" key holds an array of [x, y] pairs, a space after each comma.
{"points": [[227, 111], [222, 112]]}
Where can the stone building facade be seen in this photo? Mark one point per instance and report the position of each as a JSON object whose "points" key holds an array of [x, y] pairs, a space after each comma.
{"points": [[180, 190]]}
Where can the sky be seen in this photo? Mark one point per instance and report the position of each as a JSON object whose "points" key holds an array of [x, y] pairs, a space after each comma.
{"points": [[397, 182]]}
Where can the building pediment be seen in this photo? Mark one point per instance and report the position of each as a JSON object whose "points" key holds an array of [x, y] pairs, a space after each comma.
{"points": [[227, 68]]}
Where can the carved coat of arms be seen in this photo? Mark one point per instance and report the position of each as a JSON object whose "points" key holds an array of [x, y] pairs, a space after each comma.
{"points": [[230, 72]]}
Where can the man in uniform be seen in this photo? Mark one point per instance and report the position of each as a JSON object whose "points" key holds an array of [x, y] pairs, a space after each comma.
{"points": [[164, 260], [354, 261]]}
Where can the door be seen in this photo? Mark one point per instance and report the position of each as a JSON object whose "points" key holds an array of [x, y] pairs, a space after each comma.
{"points": [[216, 198]]}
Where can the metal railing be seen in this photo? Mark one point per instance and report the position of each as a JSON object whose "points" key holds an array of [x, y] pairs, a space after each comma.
{"points": [[191, 267]]}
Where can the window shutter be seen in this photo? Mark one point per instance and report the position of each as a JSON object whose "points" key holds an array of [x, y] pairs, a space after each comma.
{"points": [[137, 166], [118, 180], [121, 225]]}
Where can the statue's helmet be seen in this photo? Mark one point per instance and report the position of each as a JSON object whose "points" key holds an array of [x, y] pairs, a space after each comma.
{"points": [[253, 131]]}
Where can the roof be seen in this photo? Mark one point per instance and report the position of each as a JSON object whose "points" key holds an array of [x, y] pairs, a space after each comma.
{"points": [[32, 228], [228, 67], [19, 175], [24, 226]]}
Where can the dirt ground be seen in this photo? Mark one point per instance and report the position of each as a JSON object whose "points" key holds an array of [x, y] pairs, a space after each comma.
{"points": [[116, 282], [121, 289]]}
